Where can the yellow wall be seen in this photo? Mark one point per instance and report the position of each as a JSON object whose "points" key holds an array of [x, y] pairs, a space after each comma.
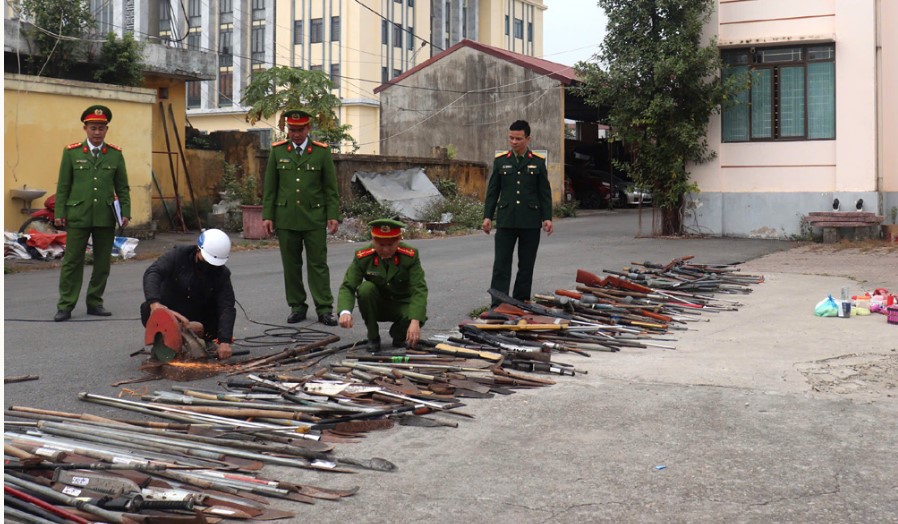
{"points": [[42, 116]]}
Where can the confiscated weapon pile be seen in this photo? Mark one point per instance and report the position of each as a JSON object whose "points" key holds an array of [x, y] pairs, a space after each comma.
{"points": [[291, 408]]}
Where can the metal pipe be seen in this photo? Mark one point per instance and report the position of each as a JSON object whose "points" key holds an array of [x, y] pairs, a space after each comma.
{"points": [[48, 493]]}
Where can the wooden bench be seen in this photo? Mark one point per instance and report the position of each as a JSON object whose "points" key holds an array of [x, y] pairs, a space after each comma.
{"points": [[848, 225]]}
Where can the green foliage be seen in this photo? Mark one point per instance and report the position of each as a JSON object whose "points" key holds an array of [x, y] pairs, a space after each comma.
{"points": [[240, 186], [59, 30], [365, 209], [476, 312], [447, 187], [230, 183], [121, 61], [893, 214], [467, 212], [281, 88], [566, 209], [451, 151], [660, 86]]}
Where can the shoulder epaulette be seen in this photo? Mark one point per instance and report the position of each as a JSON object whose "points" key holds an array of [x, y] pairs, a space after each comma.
{"points": [[320, 144], [537, 155], [73, 146], [503, 153], [362, 253], [282, 142], [113, 146], [407, 251]]}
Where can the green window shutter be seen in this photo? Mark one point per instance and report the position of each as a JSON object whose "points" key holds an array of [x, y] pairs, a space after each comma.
{"points": [[792, 101], [735, 117], [821, 100], [761, 103]]}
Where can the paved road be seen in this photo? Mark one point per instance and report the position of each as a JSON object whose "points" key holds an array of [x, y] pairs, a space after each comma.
{"points": [[729, 414]]}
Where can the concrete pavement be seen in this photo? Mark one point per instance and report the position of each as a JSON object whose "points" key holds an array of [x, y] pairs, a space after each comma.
{"points": [[768, 414]]}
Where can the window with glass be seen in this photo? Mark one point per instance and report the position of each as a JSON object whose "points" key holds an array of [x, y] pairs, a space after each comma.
{"points": [[397, 35], [257, 44], [791, 95], [335, 29], [506, 25], [193, 40], [316, 30], [193, 13], [384, 75], [518, 28], [397, 72], [225, 48], [384, 32], [225, 11], [225, 89], [335, 75], [164, 17], [410, 39], [297, 32], [194, 94], [529, 31], [258, 9]]}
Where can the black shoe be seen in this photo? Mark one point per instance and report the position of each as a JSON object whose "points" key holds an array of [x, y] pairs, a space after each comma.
{"points": [[328, 319], [62, 315], [98, 311], [373, 346], [399, 343], [296, 316]]}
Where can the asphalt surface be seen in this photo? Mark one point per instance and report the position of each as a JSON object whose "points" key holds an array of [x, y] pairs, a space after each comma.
{"points": [[732, 426]]}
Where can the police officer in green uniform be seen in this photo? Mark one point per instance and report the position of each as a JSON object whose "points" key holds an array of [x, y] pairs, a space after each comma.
{"points": [[519, 193], [92, 174], [388, 280], [300, 201]]}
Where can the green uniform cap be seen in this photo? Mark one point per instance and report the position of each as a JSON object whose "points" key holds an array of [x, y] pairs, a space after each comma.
{"points": [[295, 117], [386, 228], [96, 113]]}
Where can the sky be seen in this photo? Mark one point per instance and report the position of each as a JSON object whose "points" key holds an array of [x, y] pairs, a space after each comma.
{"points": [[572, 30]]}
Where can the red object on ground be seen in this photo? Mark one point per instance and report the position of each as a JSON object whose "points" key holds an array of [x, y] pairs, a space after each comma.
{"points": [[43, 240]]}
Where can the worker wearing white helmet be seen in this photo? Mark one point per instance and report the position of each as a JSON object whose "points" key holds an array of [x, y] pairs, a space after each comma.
{"points": [[194, 283]]}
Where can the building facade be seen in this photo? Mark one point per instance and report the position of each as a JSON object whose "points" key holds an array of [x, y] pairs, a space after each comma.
{"points": [[359, 44], [483, 90], [816, 124]]}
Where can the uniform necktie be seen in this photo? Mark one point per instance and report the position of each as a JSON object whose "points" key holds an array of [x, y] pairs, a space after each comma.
{"points": [[96, 152]]}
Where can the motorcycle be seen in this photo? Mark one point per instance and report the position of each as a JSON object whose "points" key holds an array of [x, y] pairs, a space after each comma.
{"points": [[42, 219]]}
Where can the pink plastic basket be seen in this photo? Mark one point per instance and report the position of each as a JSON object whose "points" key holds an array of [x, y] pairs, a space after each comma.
{"points": [[892, 312]]}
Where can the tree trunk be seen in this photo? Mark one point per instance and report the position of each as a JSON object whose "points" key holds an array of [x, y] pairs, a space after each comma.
{"points": [[672, 219]]}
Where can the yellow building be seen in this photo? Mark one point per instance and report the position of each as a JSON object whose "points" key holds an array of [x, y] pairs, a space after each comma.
{"points": [[359, 44]]}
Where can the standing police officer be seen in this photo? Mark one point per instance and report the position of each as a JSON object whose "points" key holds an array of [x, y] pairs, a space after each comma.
{"points": [[519, 193], [92, 174], [300, 200]]}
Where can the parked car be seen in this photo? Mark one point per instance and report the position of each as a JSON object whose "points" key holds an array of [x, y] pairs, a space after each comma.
{"points": [[595, 188], [633, 196]]}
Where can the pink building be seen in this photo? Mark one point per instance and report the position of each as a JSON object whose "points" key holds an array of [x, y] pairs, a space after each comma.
{"points": [[819, 122]]}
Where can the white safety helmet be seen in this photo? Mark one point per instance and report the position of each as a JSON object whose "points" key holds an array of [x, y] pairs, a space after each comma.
{"points": [[215, 245]]}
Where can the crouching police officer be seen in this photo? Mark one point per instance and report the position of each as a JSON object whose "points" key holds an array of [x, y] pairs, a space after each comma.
{"points": [[388, 280], [193, 282]]}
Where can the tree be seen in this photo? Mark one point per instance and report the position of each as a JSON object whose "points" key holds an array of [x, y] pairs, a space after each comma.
{"points": [[58, 31], [121, 61], [660, 87], [280, 88]]}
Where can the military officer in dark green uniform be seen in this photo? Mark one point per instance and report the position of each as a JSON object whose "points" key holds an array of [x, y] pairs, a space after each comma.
{"points": [[388, 280], [92, 174], [300, 201], [519, 193]]}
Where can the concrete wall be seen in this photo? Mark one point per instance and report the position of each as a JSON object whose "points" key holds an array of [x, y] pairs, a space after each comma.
{"points": [[762, 189], [414, 121], [41, 117]]}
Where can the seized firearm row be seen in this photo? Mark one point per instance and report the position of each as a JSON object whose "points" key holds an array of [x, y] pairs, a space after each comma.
{"points": [[291, 409]]}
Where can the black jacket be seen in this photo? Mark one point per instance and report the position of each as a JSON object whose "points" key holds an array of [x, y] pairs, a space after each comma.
{"points": [[198, 291]]}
